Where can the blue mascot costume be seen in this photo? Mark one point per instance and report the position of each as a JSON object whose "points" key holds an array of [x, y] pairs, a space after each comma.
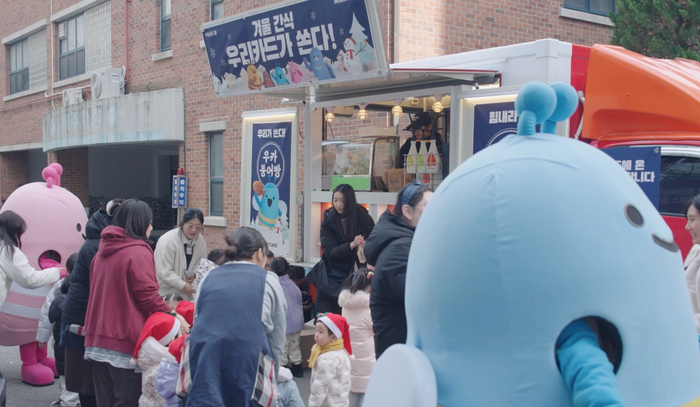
{"points": [[554, 282]]}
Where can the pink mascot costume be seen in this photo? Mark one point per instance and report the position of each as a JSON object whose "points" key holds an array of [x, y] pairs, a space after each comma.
{"points": [[55, 221]]}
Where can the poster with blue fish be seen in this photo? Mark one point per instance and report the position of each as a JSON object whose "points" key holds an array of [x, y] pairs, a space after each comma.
{"points": [[295, 44], [270, 184]]}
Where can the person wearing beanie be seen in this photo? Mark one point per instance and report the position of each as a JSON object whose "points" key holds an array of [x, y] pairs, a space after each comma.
{"points": [[330, 362], [152, 349], [178, 253], [421, 128]]}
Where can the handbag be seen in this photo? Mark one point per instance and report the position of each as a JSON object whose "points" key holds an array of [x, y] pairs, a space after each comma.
{"points": [[318, 276], [265, 392]]}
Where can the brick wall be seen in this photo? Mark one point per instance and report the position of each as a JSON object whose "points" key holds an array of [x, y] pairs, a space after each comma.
{"points": [[426, 28], [13, 172], [75, 176]]}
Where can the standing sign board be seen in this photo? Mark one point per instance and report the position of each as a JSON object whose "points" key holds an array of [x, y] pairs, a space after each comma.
{"points": [[269, 180], [294, 45], [493, 122], [179, 191], [643, 164]]}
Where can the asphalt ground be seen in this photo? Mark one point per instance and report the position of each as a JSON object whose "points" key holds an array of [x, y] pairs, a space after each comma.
{"points": [[22, 395]]}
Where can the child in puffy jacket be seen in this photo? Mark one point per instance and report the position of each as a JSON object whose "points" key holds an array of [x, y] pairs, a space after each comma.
{"points": [[166, 379], [151, 349], [330, 362], [50, 323], [295, 316], [354, 299]]}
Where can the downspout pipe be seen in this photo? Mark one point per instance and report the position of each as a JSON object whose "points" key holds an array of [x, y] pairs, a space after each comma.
{"points": [[126, 21]]}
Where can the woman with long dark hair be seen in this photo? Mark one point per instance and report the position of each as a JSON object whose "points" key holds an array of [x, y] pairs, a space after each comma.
{"points": [[344, 229], [228, 339], [387, 249], [123, 294]]}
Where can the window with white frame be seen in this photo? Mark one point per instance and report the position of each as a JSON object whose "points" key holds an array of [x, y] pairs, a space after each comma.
{"points": [[217, 9], [71, 47], [216, 174], [165, 10], [601, 7], [19, 66]]}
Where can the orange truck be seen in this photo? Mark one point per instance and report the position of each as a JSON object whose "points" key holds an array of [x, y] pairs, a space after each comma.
{"points": [[629, 100]]}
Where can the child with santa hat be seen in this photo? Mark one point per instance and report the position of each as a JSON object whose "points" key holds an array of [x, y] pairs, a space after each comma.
{"points": [[330, 362]]}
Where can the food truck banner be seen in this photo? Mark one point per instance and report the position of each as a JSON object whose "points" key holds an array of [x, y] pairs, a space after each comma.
{"points": [[493, 122], [312, 41], [643, 164], [270, 184]]}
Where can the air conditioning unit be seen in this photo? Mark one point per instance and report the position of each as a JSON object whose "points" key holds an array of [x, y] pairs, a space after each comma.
{"points": [[72, 96], [107, 83]]}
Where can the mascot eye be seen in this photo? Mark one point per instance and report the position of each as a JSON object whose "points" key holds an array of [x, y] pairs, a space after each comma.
{"points": [[77, 226], [634, 216]]}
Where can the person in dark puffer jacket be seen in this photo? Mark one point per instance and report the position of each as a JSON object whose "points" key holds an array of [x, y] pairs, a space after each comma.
{"points": [[387, 249], [78, 370]]}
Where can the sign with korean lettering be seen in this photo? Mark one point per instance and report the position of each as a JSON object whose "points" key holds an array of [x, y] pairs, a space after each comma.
{"points": [[179, 191], [306, 42], [270, 184], [643, 164], [493, 122]]}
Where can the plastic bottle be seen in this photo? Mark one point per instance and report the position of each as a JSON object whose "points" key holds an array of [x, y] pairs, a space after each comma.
{"points": [[411, 159], [433, 162], [421, 158]]}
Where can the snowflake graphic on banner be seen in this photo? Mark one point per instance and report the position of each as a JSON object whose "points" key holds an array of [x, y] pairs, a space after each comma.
{"points": [[313, 15], [223, 62], [212, 52], [229, 36], [342, 31]]}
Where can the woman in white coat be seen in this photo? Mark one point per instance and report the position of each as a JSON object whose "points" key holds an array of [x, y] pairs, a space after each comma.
{"points": [[14, 266], [692, 260], [178, 253], [354, 299]]}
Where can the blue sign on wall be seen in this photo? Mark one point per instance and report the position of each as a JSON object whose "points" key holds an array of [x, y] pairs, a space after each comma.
{"points": [[294, 45], [493, 122], [179, 191], [643, 164], [270, 183]]}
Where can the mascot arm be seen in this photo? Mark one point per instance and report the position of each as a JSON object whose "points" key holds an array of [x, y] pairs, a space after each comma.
{"points": [[165, 270], [256, 202], [45, 326], [585, 367], [403, 376], [325, 373], [330, 71], [19, 271], [283, 214]]}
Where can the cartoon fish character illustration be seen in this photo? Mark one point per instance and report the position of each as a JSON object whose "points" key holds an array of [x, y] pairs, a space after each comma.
{"points": [[298, 73], [266, 200], [280, 76], [254, 80], [322, 71], [488, 328], [267, 80]]}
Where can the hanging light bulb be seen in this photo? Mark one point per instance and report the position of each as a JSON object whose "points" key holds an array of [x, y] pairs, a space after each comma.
{"points": [[437, 105], [397, 110], [330, 116], [362, 113]]}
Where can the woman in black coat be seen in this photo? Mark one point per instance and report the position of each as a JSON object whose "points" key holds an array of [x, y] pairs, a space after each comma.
{"points": [[344, 229], [387, 250]]}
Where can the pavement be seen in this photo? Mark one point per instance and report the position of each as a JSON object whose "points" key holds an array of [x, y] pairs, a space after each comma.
{"points": [[22, 395]]}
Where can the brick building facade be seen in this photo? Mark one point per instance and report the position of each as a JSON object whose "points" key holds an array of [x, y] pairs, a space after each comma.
{"points": [[127, 33]]}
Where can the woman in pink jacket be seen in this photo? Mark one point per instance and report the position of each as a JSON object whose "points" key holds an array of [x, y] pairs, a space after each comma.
{"points": [[354, 299]]}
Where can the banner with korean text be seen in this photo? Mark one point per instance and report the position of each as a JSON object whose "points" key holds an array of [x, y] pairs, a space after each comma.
{"points": [[269, 179], [643, 164], [295, 44]]}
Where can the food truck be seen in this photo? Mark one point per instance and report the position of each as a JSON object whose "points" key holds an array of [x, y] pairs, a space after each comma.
{"points": [[353, 113]]}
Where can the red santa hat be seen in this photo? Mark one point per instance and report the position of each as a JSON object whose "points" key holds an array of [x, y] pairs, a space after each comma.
{"points": [[177, 346], [161, 326], [186, 309], [351, 39], [338, 325]]}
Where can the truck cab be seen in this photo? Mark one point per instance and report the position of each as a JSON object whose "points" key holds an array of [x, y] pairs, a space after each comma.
{"points": [[630, 100]]}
